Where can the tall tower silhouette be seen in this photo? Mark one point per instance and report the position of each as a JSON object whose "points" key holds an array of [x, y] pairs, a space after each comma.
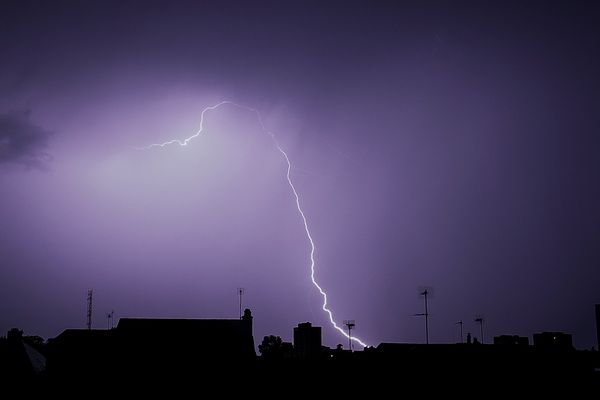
{"points": [[350, 324]]}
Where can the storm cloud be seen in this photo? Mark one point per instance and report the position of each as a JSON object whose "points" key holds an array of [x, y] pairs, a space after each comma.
{"points": [[23, 142], [451, 145]]}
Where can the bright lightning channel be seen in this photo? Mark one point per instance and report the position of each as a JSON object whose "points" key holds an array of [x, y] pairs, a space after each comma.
{"points": [[187, 140]]}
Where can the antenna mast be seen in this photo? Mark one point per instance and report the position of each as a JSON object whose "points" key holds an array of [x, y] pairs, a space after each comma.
{"points": [[241, 293], [479, 320], [350, 324], [110, 319], [89, 309], [461, 330], [425, 293]]}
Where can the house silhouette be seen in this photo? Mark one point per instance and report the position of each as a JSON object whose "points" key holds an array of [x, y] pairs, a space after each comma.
{"points": [[152, 345]]}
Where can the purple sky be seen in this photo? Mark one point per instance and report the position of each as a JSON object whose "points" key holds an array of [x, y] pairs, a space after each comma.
{"points": [[434, 144]]}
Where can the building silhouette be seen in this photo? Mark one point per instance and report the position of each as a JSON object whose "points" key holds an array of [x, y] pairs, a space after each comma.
{"points": [[553, 340], [511, 340], [205, 351], [152, 344], [307, 341], [21, 356]]}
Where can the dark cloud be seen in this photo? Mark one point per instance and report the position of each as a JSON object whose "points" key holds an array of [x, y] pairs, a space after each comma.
{"points": [[22, 142]]}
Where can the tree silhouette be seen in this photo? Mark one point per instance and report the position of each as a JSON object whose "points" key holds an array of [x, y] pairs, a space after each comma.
{"points": [[271, 347]]}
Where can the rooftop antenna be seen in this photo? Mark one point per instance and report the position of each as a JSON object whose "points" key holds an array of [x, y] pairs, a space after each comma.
{"points": [[110, 320], [479, 319], [89, 309], [350, 324], [461, 330], [241, 293], [425, 292]]}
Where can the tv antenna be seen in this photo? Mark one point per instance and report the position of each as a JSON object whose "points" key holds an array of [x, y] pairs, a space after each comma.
{"points": [[350, 324], [110, 320], [479, 319], [89, 309], [461, 329], [241, 291], [425, 292]]}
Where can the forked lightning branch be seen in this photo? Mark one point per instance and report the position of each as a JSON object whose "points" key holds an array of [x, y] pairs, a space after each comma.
{"points": [[296, 196]]}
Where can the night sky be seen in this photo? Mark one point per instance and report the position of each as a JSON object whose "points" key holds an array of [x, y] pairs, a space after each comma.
{"points": [[450, 145]]}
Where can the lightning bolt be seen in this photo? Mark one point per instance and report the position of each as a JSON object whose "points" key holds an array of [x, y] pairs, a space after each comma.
{"points": [[187, 140]]}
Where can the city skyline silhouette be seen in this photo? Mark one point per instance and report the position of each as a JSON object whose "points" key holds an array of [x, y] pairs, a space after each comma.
{"points": [[398, 172]]}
